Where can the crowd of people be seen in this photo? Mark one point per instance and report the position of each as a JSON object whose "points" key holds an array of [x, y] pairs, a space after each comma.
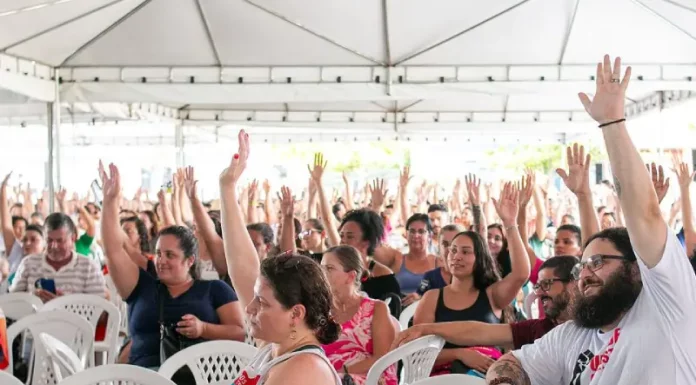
{"points": [[310, 278]]}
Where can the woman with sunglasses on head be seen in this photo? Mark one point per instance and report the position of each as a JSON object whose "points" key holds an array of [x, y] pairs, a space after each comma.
{"points": [[287, 298]]}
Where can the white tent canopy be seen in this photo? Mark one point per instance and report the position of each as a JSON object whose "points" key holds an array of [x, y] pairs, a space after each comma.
{"points": [[390, 66]]}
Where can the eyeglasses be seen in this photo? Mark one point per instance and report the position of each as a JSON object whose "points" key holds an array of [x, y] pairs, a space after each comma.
{"points": [[594, 263], [307, 233], [545, 285]]}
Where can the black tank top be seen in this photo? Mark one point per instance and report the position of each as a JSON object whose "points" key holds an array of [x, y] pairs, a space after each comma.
{"points": [[480, 311]]}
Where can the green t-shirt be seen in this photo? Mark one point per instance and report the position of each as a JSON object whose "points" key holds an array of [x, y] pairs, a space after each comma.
{"points": [[83, 244], [538, 246]]}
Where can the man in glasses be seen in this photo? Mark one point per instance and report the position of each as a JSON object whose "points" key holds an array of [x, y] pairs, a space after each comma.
{"points": [[636, 306], [556, 289]]}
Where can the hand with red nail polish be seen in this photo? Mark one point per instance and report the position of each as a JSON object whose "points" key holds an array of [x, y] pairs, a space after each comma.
{"points": [[230, 176]]}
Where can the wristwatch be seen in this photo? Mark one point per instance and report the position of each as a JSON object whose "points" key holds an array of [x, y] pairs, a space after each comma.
{"points": [[502, 381]]}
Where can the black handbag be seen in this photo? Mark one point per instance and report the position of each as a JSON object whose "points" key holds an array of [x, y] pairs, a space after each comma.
{"points": [[171, 341]]}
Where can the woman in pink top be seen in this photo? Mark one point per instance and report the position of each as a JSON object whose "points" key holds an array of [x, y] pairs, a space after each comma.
{"points": [[359, 345]]}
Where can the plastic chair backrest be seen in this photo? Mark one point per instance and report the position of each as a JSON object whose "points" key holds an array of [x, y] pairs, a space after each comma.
{"points": [[91, 307], [117, 375], [529, 302], [451, 379], [62, 359], [418, 356], [69, 328], [211, 362], [19, 305], [7, 378], [407, 314]]}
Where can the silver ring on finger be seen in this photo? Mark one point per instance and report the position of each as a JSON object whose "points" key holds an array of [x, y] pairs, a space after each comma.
{"points": [[615, 80]]}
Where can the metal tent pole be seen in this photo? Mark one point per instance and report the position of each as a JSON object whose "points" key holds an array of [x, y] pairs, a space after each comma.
{"points": [[49, 168]]}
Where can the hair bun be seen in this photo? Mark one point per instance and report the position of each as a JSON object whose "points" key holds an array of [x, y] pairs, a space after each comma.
{"points": [[329, 331]]}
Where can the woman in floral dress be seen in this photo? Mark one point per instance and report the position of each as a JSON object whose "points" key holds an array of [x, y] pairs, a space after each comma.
{"points": [[359, 346]]}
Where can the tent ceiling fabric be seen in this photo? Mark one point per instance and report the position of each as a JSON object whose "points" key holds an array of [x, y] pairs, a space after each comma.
{"points": [[105, 48]]}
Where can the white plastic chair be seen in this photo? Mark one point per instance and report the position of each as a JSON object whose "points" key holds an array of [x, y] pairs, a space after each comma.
{"points": [[120, 304], [69, 328], [91, 308], [8, 379], [407, 314], [211, 362], [4, 287], [62, 359], [117, 375], [530, 310], [16, 306], [452, 379], [248, 338], [418, 356]]}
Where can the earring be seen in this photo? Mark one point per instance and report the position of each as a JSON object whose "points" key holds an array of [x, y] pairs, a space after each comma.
{"points": [[293, 333]]}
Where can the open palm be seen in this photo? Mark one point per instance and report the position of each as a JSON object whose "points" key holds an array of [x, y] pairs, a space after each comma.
{"points": [[609, 98], [190, 183], [230, 175], [473, 188], [506, 206], [112, 185], [287, 202], [577, 178], [316, 170]]}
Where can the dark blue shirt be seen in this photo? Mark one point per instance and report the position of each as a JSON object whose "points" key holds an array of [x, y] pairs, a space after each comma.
{"points": [[202, 300], [431, 280]]}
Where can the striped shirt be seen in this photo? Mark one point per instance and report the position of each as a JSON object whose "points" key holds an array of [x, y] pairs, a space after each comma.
{"points": [[80, 276]]}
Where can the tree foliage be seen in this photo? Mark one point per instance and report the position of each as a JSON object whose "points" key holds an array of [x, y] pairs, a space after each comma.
{"points": [[537, 157]]}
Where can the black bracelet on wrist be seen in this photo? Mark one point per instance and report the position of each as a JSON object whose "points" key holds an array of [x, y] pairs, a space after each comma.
{"points": [[612, 122]]}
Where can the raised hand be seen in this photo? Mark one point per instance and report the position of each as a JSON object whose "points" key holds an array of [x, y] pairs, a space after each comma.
{"points": [[684, 176], [4, 181], [473, 188], [230, 175], [660, 183], [526, 188], [608, 102], [405, 177], [253, 188], [112, 185], [190, 183], [378, 194], [61, 194], [506, 206], [577, 179], [316, 170], [266, 187], [287, 202], [102, 172]]}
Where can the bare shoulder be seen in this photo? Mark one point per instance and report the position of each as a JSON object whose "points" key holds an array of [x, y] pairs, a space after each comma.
{"points": [[380, 269], [307, 369]]}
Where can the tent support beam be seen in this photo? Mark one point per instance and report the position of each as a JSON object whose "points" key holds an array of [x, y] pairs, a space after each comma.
{"points": [[208, 33], [473, 27], [56, 127], [55, 27], [570, 30], [49, 166], [179, 143], [105, 31], [681, 6], [316, 34], [664, 19]]}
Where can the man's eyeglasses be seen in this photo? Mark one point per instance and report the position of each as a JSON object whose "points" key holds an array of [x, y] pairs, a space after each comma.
{"points": [[545, 285], [594, 263]]}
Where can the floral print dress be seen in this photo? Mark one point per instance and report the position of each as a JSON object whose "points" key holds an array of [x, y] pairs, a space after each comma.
{"points": [[354, 344]]}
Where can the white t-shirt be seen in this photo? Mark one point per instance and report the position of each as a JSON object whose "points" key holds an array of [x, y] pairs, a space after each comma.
{"points": [[654, 344]]}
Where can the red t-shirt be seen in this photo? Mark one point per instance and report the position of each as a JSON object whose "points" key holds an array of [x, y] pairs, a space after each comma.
{"points": [[526, 332]]}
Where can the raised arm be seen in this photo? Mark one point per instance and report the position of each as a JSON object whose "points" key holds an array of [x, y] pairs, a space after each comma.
{"points": [[61, 199], [28, 206], [316, 172], [205, 224], [287, 208], [184, 202], [378, 194], [5, 217], [90, 225], [646, 227], [577, 179], [404, 178], [177, 186], [268, 203], [123, 271], [243, 263], [462, 333], [685, 177], [526, 188], [252, 196], [348, 199], [167, 216], [473, 187], [505, 290]]}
